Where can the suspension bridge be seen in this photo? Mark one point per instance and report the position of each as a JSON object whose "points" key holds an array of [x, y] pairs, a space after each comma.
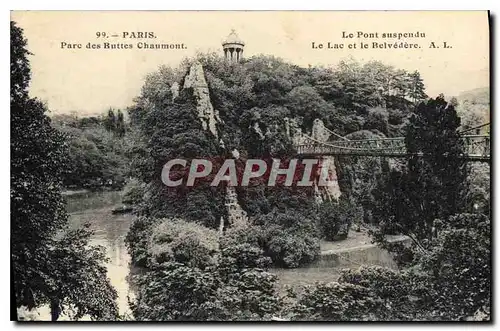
{"points": [[476, 146]]}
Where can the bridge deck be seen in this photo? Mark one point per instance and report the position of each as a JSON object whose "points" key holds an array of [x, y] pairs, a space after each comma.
{"points": [[477, 147]]}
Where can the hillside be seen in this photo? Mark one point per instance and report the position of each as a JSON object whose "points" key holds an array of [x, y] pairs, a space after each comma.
{"points": [[479, 95], [474, 107]]}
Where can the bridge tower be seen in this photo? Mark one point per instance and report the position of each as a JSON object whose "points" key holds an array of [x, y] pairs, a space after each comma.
{"points": [[233, 47]]}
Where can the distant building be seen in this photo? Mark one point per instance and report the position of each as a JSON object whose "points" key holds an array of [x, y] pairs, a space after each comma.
{"points": [[233, 47]]}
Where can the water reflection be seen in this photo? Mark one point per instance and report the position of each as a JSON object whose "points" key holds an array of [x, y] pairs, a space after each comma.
{"points": [[110, 231]]}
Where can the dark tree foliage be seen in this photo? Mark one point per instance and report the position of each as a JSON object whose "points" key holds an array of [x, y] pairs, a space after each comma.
{"points": [[336, 218], [20, 71], [417, 87], [120, 124], [433, 131], [110, 121], [97, 158], [433, 183], [458, 265], [115, 123], [50, 264]]}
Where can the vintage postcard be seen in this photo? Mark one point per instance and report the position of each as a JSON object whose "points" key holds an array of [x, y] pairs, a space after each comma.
{"points": [[250, 166]]}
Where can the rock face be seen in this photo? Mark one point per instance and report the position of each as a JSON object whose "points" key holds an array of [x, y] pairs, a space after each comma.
{"points": [[195, 79], [237, 216], [358, 175], [209, 118], [319, 133], [175, 90], [256, 128], [294, 132]]}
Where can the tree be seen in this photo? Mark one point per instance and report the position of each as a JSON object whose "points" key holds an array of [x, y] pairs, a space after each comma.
{"points": [[442, 172], [335, 218], [81, 286], [377, 119], [41, 261], [306, 104], [433, 183], [96, 159], [458, 265], [120, 124], [417, 90], [110, 121]]}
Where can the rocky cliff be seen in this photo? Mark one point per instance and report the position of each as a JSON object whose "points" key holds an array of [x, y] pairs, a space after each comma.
{"points": [[195, 79], [321, 134], [209, 118]]}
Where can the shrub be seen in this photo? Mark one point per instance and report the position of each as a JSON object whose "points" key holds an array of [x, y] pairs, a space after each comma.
{"points": [[137, 240], [335, 219], [249, 294], [292, 250], [241, 248], [184, 242], [174, 291], [459, 266], [403, 295], [290, 246], [335, 302], [133, 192]]}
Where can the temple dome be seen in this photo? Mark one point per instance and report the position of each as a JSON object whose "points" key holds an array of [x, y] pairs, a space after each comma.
{"points": [[233, 38]]}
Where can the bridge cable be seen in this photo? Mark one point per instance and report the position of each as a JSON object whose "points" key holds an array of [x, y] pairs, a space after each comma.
{"points": [[336, 134], [474, 128]]}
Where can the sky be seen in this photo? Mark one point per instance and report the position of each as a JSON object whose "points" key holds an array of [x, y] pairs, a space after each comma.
{"points": [[89, 81]]}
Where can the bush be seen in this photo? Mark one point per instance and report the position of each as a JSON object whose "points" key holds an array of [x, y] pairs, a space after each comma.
{"points": [[249, 294], [173, 292], [241, 248], [137, 240], [403, 295], [459, 266], [133, 192], [336, 218], [291, 250], [367, 294], [335, 302], [290, 239], [184, 242]]}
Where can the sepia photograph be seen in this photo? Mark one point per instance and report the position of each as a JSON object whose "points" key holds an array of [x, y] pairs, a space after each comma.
{"points": [[255, 166]]}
